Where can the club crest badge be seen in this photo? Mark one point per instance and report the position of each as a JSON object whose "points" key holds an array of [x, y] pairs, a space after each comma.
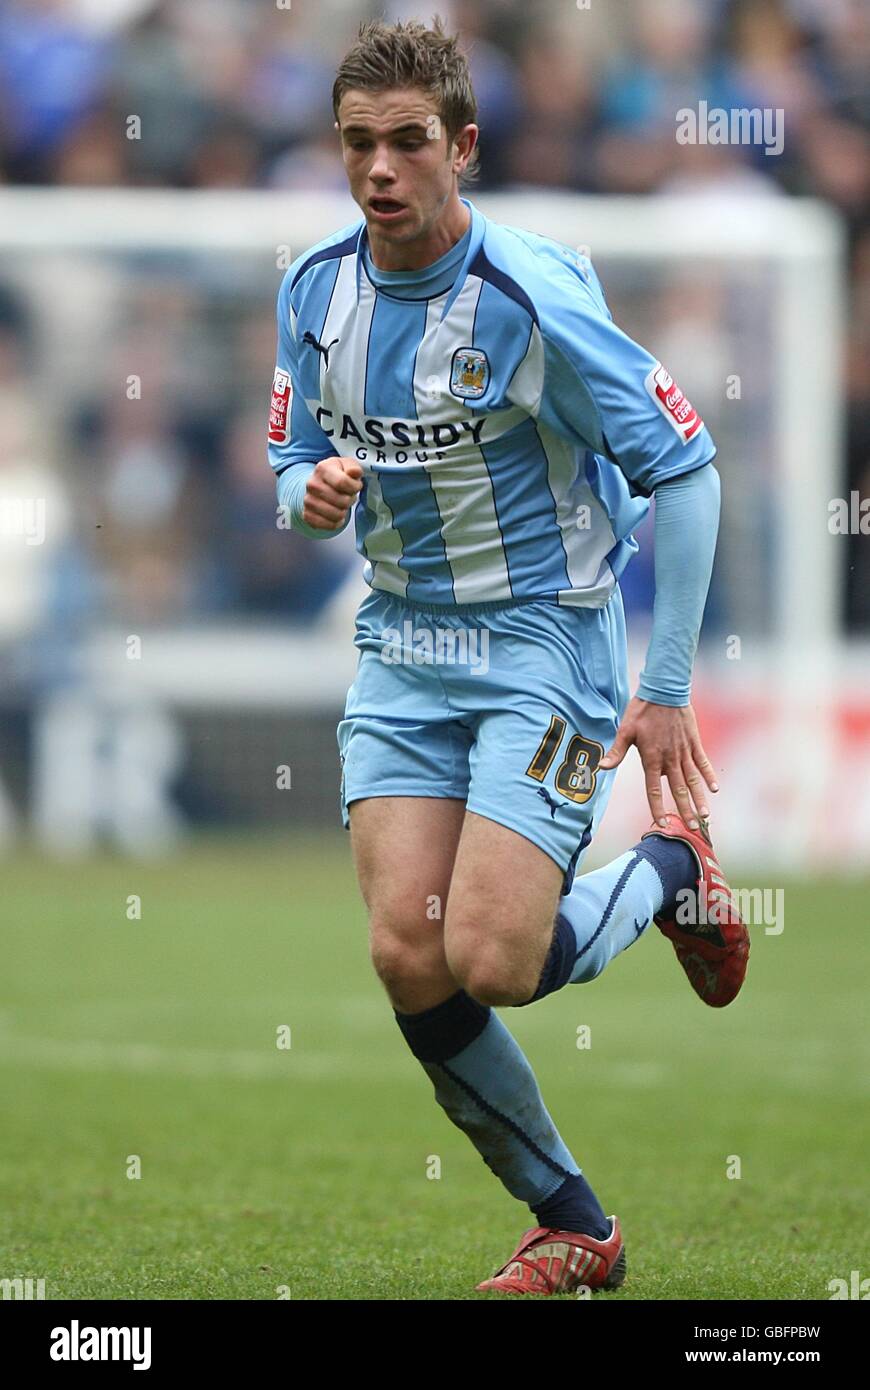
{"points": [[469, 373]]}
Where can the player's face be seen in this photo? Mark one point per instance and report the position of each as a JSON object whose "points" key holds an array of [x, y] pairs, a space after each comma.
{"points": [[403, 172]]}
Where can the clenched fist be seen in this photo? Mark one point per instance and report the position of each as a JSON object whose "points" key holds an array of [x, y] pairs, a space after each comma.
{"points": [[331, 490]]}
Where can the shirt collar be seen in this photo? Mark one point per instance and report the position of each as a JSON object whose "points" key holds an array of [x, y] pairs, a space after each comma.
{"points": [[478, 227]]}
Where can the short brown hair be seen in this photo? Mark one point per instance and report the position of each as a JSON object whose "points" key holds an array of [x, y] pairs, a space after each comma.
{"points": [[410, 55]]}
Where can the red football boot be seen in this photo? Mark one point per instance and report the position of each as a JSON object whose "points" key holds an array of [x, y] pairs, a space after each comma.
{"points": [[548, 1262], [714, 950]]}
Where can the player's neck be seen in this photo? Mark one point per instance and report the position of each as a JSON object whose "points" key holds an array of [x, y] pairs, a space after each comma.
{"points": [[416, 255]]}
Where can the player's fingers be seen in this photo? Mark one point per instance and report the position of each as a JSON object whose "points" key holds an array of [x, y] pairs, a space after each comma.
{"points": [[323, 493], [704, 766], [682, 796], [336, 482], [697, 787], [320, 514], [654, 794], [617, 750], [347, 485], [319, 494]]}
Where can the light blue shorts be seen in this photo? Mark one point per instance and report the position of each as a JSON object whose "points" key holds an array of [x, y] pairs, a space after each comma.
{"points": [[508, 708]]}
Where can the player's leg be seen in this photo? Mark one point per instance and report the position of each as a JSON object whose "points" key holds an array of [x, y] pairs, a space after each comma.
{"points": [[404, 849], [481, 1076]]}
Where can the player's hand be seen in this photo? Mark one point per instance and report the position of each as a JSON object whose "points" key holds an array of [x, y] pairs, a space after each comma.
{"points": [[332, 489], [669, 746]]}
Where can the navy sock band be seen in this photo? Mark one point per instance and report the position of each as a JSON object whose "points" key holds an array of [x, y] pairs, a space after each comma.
{"points": [[675, 865], [574, 1207], [559, 963], [441, 1032]]}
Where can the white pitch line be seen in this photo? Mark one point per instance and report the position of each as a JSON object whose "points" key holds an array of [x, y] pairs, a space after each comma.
{"points": [[154, 1059], [300, 1064]]}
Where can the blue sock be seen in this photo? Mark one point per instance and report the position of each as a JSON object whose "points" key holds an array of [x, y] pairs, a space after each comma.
{"points": [[574, 1207], [486, 1086], [609, 909], [675, 865]]}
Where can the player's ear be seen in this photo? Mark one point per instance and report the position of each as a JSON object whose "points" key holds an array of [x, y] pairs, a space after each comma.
{"points": [[464, 144]]}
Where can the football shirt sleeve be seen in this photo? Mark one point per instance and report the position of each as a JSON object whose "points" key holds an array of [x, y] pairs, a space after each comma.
{"points": [[607, 392], [296, 441], [686, 526]]}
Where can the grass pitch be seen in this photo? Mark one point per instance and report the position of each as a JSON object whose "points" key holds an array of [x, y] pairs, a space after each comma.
{"points": [[301, 1172]]}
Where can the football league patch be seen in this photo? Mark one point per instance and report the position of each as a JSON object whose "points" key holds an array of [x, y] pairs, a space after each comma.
{"points": [[672, 403], [279, 410], [469, 373]]}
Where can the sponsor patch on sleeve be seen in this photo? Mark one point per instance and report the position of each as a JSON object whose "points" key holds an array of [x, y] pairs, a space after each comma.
{"points": [[672, 403], [279, 410]]}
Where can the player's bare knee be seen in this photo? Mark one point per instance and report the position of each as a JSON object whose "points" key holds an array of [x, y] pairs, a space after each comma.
{"points": [[391, 957], [414, 979], [489, 974], [400, 953], [497, 988]]}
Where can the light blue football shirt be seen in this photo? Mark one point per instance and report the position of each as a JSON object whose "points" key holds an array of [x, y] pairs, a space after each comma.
{"points": [[510, 434]]}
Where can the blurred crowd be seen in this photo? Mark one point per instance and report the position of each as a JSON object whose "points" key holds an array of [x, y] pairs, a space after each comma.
{"points": [[236, 94]]}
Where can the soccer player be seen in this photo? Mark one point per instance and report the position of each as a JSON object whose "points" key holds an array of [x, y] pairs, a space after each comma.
{"points": [[461, 387]]}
